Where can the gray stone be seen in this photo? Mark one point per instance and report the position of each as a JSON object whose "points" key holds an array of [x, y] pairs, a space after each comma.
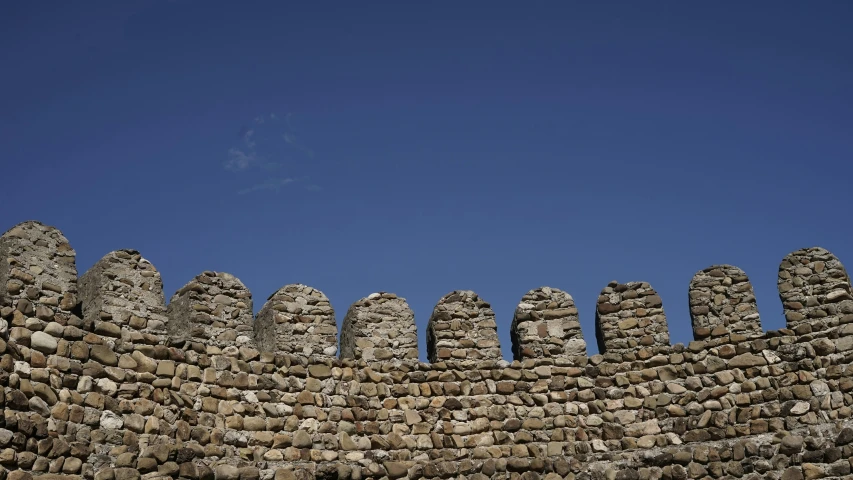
{"points": [[791, 444], [43, 342]]}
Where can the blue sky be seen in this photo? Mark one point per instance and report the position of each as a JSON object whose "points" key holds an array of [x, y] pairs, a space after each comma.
{"points": [[424, 147]]}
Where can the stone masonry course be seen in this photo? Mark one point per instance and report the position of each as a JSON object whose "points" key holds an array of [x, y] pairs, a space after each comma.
{"points": [[102, 380]]}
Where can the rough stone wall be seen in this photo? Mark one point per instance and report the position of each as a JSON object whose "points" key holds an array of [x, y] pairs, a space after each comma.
{"points": [[630, 316], [721, 302], [297, 319], [462, 327], [214, 310], [546, 325], [815, 290], [38, 281], [380, 327], [778, 406], [122, 297]]}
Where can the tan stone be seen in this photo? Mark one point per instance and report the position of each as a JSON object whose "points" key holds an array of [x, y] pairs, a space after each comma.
{"points": [[301, 439]]}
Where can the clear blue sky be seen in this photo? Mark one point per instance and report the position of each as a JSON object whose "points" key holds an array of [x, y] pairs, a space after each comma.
{"points": [[423, 147]]}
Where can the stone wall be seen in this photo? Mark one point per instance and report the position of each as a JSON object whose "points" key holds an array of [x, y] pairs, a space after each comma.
{"points": [[380, 327], [214, 309], [38, 279], [84, 400], [722, 302], [297, 319], [462, 327], [815, 290], [122, 299], [546, 324], [629, 317]]}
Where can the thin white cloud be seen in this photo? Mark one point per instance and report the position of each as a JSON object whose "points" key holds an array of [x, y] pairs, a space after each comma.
{"points": [[240, 160], [313, 188], [291, 139], [271, 184], [247, 156], [247, 138]]}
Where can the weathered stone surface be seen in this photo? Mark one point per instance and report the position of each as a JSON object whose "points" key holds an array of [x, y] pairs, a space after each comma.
{"points": [[102, 354], [227, 472], [214, 309], [43, 342], [629, 317], [462, 327], [297, 319], [301, 439], [379, 327], [791, 444], [747, 360], [38, 274], [722, 302], [124, 292], [87, 396], [546, 324], [815, 290]]}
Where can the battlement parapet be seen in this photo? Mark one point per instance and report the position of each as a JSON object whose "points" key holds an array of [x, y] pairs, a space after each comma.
{"points": [[722, 301], [815, 291], [122, 299], [546, 324], [462, 326], [380, 327], [630, 316], [214, 309], [297, 319], [116, 385]]}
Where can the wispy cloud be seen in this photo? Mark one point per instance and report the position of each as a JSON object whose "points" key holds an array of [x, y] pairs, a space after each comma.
{"points": [[247, 138], [248, 155], [291, 139], [261, 119], [271, 184], [240, 160]]}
